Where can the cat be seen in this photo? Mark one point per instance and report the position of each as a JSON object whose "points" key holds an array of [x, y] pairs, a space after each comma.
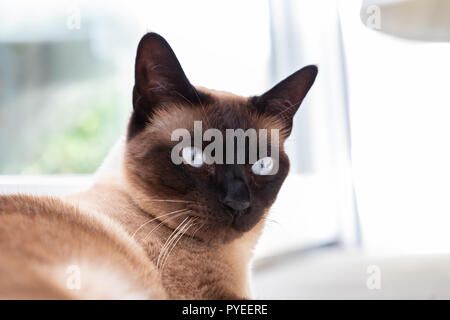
{"points": [[148, 228]]}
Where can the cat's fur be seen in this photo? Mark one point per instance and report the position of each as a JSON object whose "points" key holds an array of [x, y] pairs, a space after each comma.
{"points": [[116, 231]]}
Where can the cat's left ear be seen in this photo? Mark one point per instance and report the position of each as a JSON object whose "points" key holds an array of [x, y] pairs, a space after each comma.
{"points": [[284, 99]]}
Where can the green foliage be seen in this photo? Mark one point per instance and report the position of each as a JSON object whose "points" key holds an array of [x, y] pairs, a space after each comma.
{"points": [[81, 147]]}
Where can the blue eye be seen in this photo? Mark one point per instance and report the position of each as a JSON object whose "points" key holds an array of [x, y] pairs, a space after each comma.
{"points": [[192, 156], [263, 166]]}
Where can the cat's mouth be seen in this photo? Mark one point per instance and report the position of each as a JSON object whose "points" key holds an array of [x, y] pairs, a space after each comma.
{"points": [[242, 220], [237, 217], [222, 226], [213, 223]]}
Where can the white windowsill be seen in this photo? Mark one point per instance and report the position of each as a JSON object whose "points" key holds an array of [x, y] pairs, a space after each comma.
{"points": [[301, 220], [52, 185]]}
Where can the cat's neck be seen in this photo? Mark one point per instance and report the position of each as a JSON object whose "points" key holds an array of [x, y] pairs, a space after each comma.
{"points": [[111, 170]]}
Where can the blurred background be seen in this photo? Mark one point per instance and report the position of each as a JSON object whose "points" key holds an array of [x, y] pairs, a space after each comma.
{"points": [[365, 211]]}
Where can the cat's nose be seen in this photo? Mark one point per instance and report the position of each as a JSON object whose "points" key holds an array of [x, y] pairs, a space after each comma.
{"points": [[236, 205], [237, 197]]}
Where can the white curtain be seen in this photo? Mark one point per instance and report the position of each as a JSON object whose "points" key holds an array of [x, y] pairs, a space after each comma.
{"points": [[399, 114], [316, 203]]}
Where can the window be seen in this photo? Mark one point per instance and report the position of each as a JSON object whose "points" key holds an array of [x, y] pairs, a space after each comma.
{"points": [[68, 76]]}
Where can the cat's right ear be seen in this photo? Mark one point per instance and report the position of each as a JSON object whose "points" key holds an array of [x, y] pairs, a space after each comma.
{"points": [[159, 80]]}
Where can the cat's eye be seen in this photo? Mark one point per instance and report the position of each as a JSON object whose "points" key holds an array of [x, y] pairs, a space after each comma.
{"points": [[263, 166], [193, 156]]}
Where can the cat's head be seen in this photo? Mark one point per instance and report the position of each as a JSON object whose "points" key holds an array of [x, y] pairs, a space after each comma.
{"points": [[214, 202]]}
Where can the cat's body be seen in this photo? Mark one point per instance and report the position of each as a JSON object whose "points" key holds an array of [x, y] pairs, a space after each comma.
{"points": [[148, 228], [105, 221]]}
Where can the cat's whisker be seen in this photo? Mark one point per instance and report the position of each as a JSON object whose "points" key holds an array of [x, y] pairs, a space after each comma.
{"points": [[174, 239], [198, 98], [199, 101], [174, 232], [198, 229], [181, 233], [289, 107], [170, 200], [186, 226], [156, 218], [272, 220], [165, 220], [184, 98], [205, 114]]}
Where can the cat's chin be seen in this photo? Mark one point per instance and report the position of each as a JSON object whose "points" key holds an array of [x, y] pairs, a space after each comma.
{"points": [[219, 235], [216, 234]]}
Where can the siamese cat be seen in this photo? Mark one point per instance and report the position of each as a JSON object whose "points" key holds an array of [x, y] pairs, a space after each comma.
{"points": [[149, 228]]}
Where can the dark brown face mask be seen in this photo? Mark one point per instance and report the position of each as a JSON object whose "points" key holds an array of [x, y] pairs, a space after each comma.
{"points": [[228, 199]]}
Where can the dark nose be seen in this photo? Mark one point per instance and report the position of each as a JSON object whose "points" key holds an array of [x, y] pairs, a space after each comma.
{"points": [[237, 197]]}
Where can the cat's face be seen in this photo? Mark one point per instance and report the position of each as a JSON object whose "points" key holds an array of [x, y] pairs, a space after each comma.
{"points": [[220, 200]]}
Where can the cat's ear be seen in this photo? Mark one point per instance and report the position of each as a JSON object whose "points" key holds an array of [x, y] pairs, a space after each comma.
{"points": [[159, 78], [284, 99]]}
